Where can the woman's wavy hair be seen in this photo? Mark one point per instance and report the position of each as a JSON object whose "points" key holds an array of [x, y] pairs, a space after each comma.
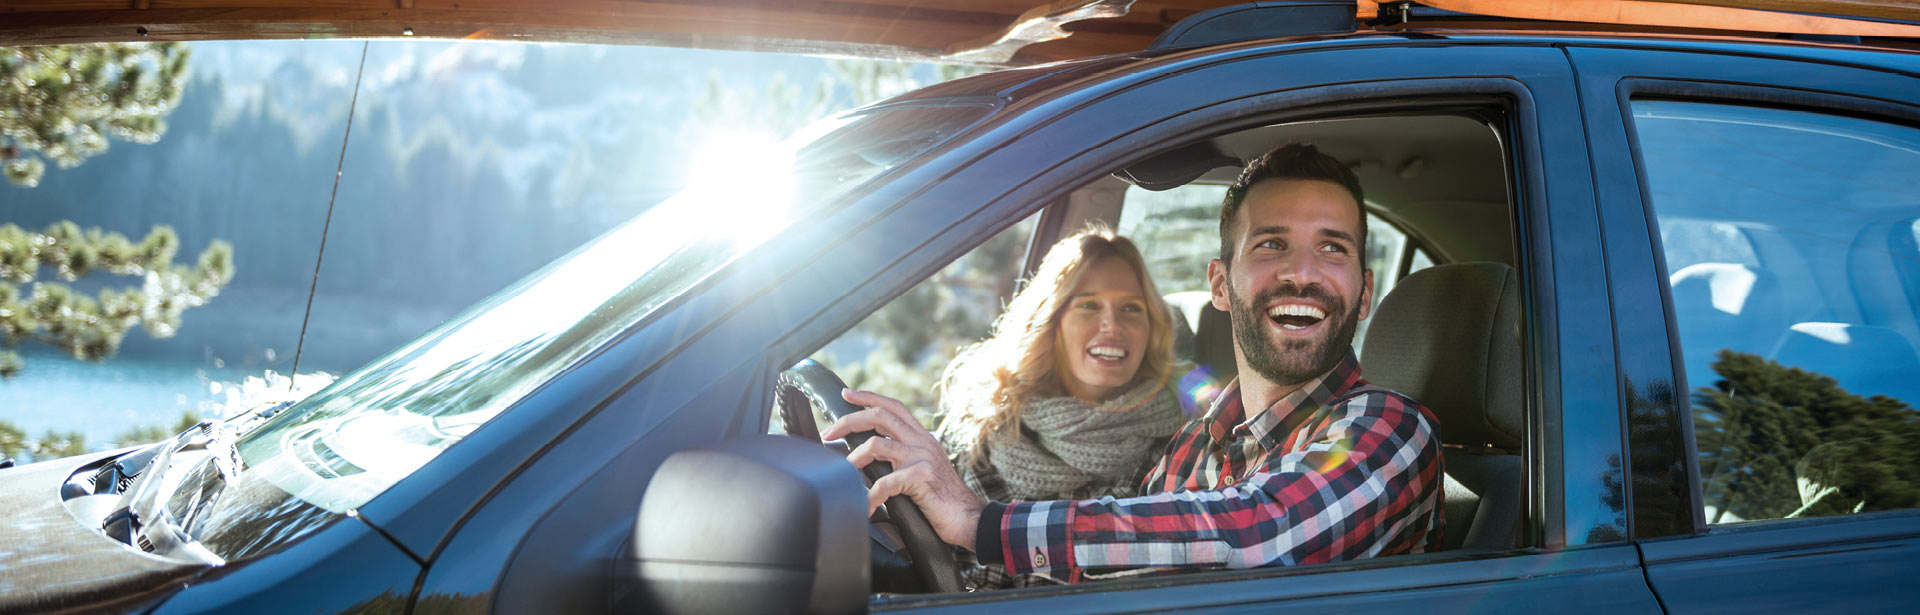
{"points": [[984, 388]]}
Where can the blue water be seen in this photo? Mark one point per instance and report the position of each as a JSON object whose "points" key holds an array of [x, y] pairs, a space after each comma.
{"points": [[104, 400]]}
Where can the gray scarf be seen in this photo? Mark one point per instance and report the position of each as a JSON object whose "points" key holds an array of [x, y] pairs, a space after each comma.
{"points": [[1067, 448]]}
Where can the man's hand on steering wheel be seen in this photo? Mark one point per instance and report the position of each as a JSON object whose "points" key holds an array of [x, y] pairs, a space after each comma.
{"points": [[920, 467]]}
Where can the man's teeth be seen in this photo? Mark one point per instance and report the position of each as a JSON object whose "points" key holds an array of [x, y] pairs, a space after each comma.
{"points": [[1106, 352], [1297, 310]]}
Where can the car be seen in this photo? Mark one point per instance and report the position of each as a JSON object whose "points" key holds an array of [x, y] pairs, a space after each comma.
{"points": [[1661, 287]]}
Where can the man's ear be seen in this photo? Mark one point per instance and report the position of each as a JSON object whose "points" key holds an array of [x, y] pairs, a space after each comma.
{"points": [[1217, 283], [1366, 293]]}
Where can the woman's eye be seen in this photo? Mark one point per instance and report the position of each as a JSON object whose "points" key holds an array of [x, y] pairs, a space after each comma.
{"points": [[1134, 308], [1088, 305]]}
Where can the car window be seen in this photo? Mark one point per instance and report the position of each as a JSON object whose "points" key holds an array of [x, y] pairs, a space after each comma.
{"points": [[1178, 231], [1790, 248], [906, 347], [902, 348]]}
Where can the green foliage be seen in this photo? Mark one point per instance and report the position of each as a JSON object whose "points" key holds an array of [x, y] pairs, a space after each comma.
{"points": [[15, 444], [63, 102], [146, 434], [1178, 231], [1778, 442], [91, 328]]}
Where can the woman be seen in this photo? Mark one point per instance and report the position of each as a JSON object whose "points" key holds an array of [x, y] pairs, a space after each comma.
{"points": [[1069, 397]]}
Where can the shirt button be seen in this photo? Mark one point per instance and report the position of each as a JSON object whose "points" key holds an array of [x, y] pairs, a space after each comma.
{"points": [[1039, 559], [1228, 480]]}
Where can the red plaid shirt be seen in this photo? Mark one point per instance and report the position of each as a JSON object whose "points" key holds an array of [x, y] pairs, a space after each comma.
{"points": [[1338, 470]]}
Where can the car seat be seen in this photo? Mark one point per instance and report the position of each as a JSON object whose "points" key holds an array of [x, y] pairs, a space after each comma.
{"points": [[1448, 336], [1213, 344], [1865, 359], [1724, 306]]}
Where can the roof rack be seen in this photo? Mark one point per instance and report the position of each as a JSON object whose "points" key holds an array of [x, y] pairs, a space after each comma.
{"points": [[1822, 20], [1886, 18], [1258, 20]]}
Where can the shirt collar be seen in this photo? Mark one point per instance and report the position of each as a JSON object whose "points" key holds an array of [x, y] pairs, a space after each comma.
{"points": [[1265, 426]]}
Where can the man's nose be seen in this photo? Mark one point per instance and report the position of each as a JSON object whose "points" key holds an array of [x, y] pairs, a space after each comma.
{"points": [[1298, 266]]}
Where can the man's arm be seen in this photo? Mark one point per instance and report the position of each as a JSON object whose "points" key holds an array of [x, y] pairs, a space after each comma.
{"points": [[1368, 485]]}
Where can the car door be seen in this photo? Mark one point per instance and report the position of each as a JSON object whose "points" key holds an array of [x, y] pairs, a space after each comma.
{"points": [[1574, 550], [1765, 206], [539, 539]]}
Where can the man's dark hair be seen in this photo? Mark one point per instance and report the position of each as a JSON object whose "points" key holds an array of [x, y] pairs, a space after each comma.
{"points": [[1290, 161]]}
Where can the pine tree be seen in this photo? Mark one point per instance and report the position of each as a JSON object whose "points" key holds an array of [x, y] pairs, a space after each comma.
{"points": [[91, 328], [63, 102], [14, 444], [1778, 442]]}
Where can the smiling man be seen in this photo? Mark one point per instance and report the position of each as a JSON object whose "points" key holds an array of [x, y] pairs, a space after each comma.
{"points": [[1298, 461]]}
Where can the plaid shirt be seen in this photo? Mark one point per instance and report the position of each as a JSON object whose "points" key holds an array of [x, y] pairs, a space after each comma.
{"points": [[1338, 470]]}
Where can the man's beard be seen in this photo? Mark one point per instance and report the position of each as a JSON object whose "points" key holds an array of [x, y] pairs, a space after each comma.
{"points": [[1291, 361]]}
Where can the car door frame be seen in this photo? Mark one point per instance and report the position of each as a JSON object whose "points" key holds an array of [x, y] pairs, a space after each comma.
{"points": [[1829, 563], [1218, 92]]}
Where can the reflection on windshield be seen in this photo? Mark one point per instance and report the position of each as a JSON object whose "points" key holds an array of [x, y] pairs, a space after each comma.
{"points": [[350, 442]]}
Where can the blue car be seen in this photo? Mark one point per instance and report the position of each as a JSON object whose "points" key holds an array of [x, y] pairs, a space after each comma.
{"points": [[1661, 288]]}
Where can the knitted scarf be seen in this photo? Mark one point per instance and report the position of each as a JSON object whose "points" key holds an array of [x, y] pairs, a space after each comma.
{"points": [[1068, 448]]}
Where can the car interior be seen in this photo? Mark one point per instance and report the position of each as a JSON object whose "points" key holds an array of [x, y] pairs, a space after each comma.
{"points": [[1446, 326]]}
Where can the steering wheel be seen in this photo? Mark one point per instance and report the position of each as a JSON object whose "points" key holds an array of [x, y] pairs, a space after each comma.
{"points": [[808, 385]]}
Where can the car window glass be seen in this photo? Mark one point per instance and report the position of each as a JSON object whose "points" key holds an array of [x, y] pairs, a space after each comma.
{"points": [[1419, 261], [1790, 247], [902, 348], [1178, 231]]}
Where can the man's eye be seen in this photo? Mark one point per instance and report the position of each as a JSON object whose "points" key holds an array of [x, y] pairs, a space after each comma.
{"points": [[1334, 248], [1270, 244]]}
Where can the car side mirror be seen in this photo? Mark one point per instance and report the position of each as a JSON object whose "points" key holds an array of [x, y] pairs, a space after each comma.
{"points": [[762, 524]]}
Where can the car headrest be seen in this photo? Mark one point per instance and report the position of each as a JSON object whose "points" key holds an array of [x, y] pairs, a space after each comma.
{"points": [[1449, 337], [1727, 298], [1213, 344], [1724, 306], [1865, 359]]}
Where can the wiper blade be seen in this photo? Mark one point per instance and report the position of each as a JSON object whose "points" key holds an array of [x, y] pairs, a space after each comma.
{"points": [[141, 517]]}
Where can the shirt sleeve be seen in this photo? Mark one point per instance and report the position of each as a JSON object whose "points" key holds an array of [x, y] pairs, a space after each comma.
{"points": [[1367, 484]]}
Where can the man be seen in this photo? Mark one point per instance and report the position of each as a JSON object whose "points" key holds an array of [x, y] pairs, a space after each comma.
{"points": [[1298, 461]]}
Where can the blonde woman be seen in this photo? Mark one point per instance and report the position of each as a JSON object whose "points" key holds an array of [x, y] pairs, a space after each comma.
{"points": [[1069, 398]]}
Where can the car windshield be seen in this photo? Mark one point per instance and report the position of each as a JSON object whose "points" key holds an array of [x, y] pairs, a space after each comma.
{"points": [[341, 447]]}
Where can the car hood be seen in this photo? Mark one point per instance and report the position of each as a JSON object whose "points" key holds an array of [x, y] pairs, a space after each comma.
{"points": [[50, 562]]}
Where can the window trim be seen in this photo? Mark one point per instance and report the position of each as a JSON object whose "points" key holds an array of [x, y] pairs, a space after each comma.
{"points": [[1515, 103], [1627, 91]]}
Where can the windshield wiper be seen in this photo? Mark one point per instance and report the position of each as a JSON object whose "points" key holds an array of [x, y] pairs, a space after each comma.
{"points": [[141, 517]]}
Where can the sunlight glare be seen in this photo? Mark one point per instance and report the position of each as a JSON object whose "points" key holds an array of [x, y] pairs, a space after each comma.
{"points": [[742, 183]]}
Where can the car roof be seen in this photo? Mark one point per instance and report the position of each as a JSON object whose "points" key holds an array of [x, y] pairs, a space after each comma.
{"points": [[1026, 82], [990, 32]]}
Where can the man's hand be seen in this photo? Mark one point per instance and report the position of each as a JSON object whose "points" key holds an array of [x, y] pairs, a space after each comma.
{"points": [[920, 467]]}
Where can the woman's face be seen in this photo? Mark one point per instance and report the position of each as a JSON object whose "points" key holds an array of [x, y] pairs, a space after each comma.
{"points": [[1102, 334]]}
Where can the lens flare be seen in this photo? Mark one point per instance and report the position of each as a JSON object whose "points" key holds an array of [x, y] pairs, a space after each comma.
{"points": [[1197, 390]]}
